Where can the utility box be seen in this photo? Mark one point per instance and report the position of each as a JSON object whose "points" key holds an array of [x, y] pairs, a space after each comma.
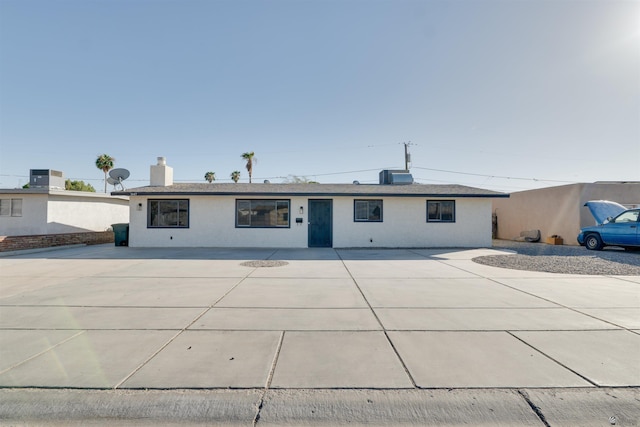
{"points": [[555, 240], [121, 234], [395, 177], [46, 178]]}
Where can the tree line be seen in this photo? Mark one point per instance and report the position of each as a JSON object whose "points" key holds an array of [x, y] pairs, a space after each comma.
{"points": [[105, 163], [249, 157]]}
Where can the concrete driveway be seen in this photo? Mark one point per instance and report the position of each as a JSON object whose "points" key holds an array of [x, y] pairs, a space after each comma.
{"points": [[426, 337]]}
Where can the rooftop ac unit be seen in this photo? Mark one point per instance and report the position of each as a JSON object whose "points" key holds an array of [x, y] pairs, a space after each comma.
{"points": [[396, 177], [46, 178]]}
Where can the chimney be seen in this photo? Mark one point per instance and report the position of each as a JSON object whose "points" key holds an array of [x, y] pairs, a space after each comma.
{"points": [[161, 174]]}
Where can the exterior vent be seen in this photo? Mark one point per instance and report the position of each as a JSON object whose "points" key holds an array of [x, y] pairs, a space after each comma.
{"points": [[395, 177], [46, 178]]}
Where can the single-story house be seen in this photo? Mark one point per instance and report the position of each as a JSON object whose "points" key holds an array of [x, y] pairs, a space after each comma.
{"points": [[47, 208], [395, 213], [559, 210]]}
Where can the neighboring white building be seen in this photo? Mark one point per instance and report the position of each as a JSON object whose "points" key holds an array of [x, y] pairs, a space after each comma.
{"points": [[307, 215], [46, 210]]}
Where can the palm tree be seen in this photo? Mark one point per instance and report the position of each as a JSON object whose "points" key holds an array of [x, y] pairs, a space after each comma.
{"points": [[210, 176], [105, 162], [249, 157], [235, 176]]}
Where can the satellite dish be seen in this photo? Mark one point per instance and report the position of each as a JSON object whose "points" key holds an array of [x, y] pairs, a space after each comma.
{"points": [[118, 175]]}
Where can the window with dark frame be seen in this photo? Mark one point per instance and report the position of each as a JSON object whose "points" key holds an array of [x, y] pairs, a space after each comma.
{"points": [[441, 211], [262, 213], [10, 207], [172, 213], [367, 210]]}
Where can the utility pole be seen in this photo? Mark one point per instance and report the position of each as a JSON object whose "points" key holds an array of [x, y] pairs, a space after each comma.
{"points": [[407, 155]]}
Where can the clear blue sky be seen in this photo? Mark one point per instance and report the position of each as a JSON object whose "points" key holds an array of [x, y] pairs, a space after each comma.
{"points": [[547, 90]]}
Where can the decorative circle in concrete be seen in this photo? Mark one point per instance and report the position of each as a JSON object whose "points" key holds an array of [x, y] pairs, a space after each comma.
{"points": [[264, 263]]}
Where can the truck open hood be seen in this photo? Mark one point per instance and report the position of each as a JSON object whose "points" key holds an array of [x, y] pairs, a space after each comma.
{"points": [[603, 209]]}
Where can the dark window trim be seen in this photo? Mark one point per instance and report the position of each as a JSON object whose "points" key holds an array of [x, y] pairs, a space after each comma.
{"points": [[168, 226], [355, 201], [441, 220], [12, 201], [263, 226]]}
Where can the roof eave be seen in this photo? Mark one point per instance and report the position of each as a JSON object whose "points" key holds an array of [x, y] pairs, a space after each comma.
{"points": [[306, 194]]}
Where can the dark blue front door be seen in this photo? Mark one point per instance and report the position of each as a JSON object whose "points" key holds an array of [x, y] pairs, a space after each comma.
{"points": [[320, 223]]}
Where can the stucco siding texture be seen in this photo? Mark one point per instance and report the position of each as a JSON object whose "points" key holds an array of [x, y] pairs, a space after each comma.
{"points": [[33, 219], [45, 212], [67, 215], [212, 224], [557, 210]]}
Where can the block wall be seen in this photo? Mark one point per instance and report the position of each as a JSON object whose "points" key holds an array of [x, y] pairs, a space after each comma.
{"points": [[17, 243]]}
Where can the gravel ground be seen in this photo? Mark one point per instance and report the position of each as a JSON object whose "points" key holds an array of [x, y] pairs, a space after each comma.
{"points": [[564, 259]]}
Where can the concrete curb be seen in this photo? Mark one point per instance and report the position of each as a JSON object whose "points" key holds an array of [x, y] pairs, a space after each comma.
{"points": [[527, 407]]}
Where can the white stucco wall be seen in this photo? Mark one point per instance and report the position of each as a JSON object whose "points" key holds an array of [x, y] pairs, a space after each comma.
{"points": [[33, 219], [60, 212], [212, 224], [67, 214], [405, 225]]}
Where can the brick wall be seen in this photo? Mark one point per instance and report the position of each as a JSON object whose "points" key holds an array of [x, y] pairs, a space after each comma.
{"points": [[17, 243]]}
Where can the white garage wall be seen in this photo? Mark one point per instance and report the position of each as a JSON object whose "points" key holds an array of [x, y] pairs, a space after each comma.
{"points": [[212, 224]]}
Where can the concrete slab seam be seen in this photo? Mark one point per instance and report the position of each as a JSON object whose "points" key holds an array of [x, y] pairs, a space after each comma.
{"points": [[42, 352], [534, 407], [575, 310], [444, 261], [147, 360], [404, 365], [256, 418], [178, 334], [497, 281], [272, 254], [505, 285], [554, 360], [419, 254], [384, 330], [623, 278]]}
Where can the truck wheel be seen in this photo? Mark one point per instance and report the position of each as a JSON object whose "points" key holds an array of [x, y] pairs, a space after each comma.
{"points": [[593, 242]]}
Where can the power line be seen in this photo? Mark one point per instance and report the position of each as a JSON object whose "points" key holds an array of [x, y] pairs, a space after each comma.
{"points": [[425, 180], [496, 176], [351, 172]]}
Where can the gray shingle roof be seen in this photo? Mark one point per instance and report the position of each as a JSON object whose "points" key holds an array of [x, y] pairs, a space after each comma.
{"points": [[313, 190]]}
